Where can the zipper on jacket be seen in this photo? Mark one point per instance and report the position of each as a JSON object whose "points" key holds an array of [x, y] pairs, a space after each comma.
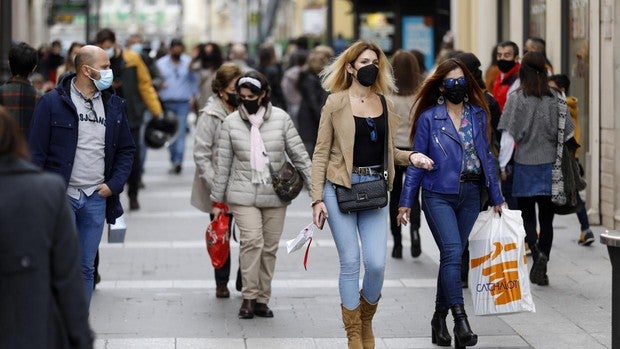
{"points": [[440, 146]]}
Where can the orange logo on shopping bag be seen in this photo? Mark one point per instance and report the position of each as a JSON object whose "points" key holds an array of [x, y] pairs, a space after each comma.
{"points": [[503, 276]]}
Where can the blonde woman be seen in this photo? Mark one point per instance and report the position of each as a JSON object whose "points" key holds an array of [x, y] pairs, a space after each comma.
{"points": [[349, 149]]}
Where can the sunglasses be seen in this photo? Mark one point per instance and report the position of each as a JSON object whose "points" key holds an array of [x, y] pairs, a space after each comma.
{"points": [[373, 130], [89, 104], [450, 83]]}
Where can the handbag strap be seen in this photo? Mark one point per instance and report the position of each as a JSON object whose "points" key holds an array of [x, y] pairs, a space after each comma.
{"points": [[557, 182], [387, 134]]}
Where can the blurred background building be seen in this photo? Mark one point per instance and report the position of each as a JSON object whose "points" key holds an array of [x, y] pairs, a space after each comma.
{"points": [[581, 35]]}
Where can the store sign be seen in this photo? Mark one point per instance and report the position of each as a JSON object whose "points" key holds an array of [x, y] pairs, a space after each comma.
{"points": [[313, 20], [378, 27], [418, 34]]}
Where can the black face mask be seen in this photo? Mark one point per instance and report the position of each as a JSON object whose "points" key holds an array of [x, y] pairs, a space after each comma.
{"points": [[455, 94], [232, 99], [175, 56], [505, 66], [251, 105], [367, 75]]}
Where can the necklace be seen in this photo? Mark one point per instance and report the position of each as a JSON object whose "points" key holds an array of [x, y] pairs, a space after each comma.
{"points": [[361, 98]]}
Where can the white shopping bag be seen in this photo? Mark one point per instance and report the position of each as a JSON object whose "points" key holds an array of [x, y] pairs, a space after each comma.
{"points": [[498, 276], [300, 240], [116, 231]]}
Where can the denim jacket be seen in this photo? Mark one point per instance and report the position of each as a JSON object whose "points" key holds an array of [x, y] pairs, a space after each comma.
{"points": [[437, 138]]}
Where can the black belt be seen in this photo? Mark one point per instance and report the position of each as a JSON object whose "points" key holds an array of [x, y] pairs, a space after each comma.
{"points": [[470, 177], [370, 170]]}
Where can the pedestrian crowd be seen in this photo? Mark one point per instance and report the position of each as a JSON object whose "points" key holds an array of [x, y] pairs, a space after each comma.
{"points": [[447, 140]]}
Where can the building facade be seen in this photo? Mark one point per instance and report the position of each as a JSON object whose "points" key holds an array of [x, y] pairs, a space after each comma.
{"points": [[583, 42]]}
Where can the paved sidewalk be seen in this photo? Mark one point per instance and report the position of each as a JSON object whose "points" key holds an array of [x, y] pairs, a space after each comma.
{"points": [[158, 291]]}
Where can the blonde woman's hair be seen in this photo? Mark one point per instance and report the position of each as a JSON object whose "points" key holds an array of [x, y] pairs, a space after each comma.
{"points": [[335, 77]]}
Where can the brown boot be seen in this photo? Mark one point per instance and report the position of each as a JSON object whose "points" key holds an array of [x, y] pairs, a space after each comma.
{"points": [[353, 326], [367, 312]]}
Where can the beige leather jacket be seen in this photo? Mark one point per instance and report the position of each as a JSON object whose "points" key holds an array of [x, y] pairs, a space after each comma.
{"points": [[333, 154]]}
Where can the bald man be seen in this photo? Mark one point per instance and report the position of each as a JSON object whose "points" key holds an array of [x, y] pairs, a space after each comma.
{"points": [[80, 131]]}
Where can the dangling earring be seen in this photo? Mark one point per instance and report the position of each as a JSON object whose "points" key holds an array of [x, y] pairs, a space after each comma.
{"points": [[440, 100], [466, 98]]}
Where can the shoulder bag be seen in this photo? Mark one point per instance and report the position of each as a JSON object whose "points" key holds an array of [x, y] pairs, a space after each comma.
{"points": [[287, 181], [367, 195], [566, 180]]}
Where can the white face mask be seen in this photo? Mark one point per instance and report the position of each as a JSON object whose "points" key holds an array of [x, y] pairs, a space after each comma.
{"points": [[110, 52]]}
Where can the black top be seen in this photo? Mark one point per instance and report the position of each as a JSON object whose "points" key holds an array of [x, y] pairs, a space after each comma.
{"points": [[368, 149]]}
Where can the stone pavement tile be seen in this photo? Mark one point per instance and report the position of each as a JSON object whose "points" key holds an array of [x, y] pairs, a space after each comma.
{"points": [[280, 343], [210, 343], [330, 343], [135, 343]]}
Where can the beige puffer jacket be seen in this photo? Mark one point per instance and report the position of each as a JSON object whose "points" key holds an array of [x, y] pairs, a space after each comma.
{"points": [[233, 176], [205, 152]]}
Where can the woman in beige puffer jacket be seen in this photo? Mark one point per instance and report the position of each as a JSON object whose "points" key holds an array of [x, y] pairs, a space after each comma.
{"points": [[253, 138]]}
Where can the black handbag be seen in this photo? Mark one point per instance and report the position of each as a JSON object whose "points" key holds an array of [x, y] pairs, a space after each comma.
{"points": [[367, 195], [287, 181]]}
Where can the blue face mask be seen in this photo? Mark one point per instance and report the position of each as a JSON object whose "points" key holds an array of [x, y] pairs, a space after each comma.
{"points": [[137, 47], [105, 79]]}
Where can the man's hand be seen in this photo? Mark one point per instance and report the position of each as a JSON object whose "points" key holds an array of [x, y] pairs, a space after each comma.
{"points": [[104, 190]]}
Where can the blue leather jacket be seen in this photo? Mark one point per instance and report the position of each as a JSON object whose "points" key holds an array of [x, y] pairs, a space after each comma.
{"points": [[437, 138]]}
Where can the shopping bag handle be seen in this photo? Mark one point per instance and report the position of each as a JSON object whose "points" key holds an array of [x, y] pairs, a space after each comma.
{"points": [[306, 255]]}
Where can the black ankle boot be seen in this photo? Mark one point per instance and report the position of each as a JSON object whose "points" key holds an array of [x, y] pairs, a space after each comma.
{"points": [[538, 273], [463, 336], [440, 334]]}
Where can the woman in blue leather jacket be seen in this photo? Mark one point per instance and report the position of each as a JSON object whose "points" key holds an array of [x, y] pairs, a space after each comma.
{"points": [[450, 126]]}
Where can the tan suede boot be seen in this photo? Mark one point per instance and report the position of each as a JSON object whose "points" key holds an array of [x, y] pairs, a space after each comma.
{"points": [[367, 312], [353, 326]]}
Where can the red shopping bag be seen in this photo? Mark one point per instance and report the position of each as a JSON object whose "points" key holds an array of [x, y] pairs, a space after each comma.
{"points": [[216, 236]]}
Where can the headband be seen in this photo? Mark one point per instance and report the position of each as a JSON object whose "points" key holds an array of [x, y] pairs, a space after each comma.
{"points": [[249, 80]]}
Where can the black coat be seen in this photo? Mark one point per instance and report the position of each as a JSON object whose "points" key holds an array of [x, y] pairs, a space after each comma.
{"points": [[42, 302], [313, 97]]}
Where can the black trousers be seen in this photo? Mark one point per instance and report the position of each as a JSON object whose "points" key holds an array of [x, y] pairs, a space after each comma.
{"points": [[397, 188], [135, 175], [546, 213]]}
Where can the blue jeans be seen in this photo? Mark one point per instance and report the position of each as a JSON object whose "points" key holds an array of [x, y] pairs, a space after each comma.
{"points": [[89, 218], [371, 226], [451, 218], [177, 148]]}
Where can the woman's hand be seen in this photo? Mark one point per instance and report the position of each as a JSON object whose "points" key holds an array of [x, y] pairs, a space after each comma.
{"points": [[317, 209], [216, 211], [498, 208], [404, 213], [420, 160]]}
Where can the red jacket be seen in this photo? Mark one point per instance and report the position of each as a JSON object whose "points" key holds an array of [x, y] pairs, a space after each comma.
{"points": [[501, 86]]}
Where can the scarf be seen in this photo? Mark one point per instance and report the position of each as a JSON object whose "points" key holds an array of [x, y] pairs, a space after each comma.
{"points": [[258, 153]]}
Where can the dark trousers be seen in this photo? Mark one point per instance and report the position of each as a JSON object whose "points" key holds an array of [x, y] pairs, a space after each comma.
{"points": [[546, 212], [397, 188], [506, 185], [582, 215], [135, 175]]}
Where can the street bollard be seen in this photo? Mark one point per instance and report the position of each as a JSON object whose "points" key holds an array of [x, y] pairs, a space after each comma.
{"points": [[612, 240]]}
